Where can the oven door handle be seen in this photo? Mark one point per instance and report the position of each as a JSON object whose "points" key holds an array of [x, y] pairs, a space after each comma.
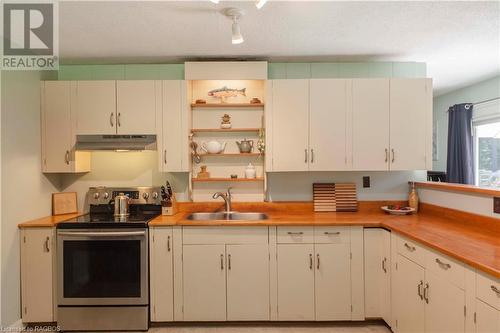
{"points": [[102, 233]]}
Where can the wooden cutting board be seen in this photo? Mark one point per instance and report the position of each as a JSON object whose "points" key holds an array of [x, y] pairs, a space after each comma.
{"points": [[64, 203], [335, 197]]}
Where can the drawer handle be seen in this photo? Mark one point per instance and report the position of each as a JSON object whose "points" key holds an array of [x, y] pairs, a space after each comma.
{"points": [[168, 244], [295, 233], [317, 259], [409, 247], [47, 246], [496, 290], [443, 264], [332, 233], [419, 290], [229, 261], [383, 265], [221, 262], [310, 261]]}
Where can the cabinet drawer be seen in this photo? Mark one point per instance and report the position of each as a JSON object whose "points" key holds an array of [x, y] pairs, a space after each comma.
{"points": [[335, 235], [224, 235], [446, 267], [411, 250], [293, 235], [488, 289]]}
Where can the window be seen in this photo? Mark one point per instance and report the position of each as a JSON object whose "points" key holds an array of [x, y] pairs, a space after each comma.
{"points": [[487, 154]]}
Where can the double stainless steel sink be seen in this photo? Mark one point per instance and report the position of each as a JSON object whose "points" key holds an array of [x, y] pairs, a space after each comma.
{"points": [[227, 216]]}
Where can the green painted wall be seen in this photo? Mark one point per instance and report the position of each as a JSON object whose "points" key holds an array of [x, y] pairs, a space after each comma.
{"points": [[475, 93], [276, 71]]}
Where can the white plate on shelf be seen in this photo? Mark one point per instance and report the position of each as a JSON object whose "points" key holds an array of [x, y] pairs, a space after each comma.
{"points": [[407, 211]]}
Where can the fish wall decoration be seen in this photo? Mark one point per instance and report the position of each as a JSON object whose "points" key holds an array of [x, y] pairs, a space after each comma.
{"points": [[225, 92]]}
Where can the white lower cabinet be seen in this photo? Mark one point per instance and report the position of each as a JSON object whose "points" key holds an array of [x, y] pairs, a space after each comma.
{"points": [[204, 282], [444, 305], [161, 274], [314, 273], [37, 275], [333, 282], [295, 281], [247, 282], [409, 305], [486, 318], [224, 281], [377, 253]]}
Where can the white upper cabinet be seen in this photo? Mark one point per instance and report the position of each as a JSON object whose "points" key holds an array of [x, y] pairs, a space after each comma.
{"points": [[290, 129], [136, 103], [370, 124], [411, 102], [328, 115], [172, 127], [96, 107], [57, 128]]}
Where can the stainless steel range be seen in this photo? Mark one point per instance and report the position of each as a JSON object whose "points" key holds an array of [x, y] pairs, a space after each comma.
{"points": [[102, 261]]}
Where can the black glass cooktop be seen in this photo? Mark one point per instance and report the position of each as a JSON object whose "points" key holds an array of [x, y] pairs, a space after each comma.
{"points": [[102, 217]]}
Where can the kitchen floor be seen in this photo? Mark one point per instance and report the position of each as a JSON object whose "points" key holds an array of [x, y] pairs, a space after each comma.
{"points": [[366, 327]]}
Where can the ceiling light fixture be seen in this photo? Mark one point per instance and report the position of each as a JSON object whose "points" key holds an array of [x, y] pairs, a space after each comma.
{"points": [[260, 3], [234, 14]]}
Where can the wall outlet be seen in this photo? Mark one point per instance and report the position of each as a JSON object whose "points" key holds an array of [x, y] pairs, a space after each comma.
{"points": [[496, 205], [366, 181]]}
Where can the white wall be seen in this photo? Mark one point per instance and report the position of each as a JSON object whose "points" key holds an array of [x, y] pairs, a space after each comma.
{"points": [[297, 186], [472, 203], [123, 169], [26, 191]]}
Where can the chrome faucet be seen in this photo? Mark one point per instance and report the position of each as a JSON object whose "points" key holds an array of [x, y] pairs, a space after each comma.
{"points": [[227, 199]]}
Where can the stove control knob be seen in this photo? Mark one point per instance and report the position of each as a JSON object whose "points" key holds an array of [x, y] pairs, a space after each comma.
{"points": [[145, 195], [155, 195], [106, 195], [96, 195]]}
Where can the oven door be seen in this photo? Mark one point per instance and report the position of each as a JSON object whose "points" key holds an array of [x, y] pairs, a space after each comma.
{"points": [[102, 267]]}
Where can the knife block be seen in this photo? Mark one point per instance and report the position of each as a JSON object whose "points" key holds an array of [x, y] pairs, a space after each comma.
{"points": [[169, 207]]}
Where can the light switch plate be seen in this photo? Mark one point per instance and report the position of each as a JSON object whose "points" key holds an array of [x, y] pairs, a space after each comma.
{"points": [[496, 205]]}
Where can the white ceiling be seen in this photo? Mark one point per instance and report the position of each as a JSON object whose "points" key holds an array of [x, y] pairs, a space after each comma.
{"points": [[459, 41]]}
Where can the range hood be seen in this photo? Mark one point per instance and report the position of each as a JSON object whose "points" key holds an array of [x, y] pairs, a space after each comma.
{"points": [[115, 142]]}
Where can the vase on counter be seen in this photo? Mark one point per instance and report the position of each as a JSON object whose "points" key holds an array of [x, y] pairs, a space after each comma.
{"points": [[413, 197]]}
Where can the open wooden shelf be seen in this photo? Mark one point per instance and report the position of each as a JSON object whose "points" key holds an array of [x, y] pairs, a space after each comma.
{"points": [[231, 154], [200, 180], [227, 105], [223, 130]]}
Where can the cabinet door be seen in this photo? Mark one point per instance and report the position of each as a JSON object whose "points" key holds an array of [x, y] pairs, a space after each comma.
{"points": [[444, 311], [295, 281], [333, 282], [204, 277], [161, 274], [290, 125], [37, 264], [377, 254], [409, 307], [329, 108], [247, 282], [173, 134], [136, 103], [370, 124], [385, 269], [56, 126], [487, 318], [96, 107], [411, 109]]}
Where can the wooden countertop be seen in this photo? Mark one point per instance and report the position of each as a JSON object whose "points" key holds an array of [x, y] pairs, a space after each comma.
{"points": [[48, 221], [470, 238]]}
